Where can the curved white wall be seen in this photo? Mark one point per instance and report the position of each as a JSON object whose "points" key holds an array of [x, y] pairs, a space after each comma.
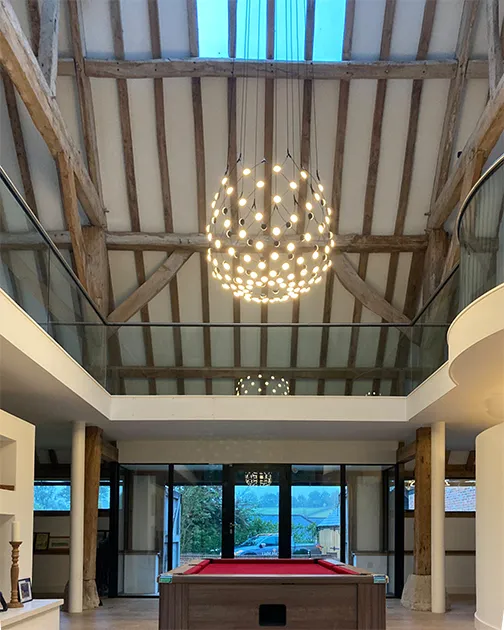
{"points": [[490, 528]]}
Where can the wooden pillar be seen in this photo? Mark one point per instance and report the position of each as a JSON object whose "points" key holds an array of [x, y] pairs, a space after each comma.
{"points": [[422, 521], [91, 492]]}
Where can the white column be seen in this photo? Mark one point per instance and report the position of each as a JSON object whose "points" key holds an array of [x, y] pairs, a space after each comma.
{"points": [[438, 466], [77, 518]]}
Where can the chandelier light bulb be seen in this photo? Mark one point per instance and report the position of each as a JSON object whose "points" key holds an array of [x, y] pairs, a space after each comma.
{"points": [[275, 261]]}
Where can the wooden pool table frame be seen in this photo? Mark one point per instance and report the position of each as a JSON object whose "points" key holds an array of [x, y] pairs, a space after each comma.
{"points": [[229, 602]]}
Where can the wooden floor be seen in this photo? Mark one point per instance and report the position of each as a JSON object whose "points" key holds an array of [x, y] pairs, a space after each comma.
{"points": [[142, 614]]}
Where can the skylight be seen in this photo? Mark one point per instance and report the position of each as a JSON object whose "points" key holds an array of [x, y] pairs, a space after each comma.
{"points": [[290, 27]]}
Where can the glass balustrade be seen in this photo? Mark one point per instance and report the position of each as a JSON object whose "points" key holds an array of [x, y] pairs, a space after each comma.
{"points": [[38, 277], [312, 359], [481, 236]]}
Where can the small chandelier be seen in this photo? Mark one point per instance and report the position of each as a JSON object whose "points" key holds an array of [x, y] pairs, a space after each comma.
{"points": [[262, 385], [269, 242], [258, 478]]}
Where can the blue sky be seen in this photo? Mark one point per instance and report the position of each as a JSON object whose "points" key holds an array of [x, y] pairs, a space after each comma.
{"points": [[290, 21]]}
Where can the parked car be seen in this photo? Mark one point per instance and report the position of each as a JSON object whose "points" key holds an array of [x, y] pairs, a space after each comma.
{"points": [[267, 545]]}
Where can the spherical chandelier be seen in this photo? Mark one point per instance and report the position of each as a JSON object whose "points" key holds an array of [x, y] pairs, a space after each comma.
{"points": [[258, 478], [269, 242], [262, 385], [269, 229]]}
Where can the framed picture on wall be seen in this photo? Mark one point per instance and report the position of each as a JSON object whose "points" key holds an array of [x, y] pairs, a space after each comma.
{"points": [[59, 542], [41, 541], [25, 590]]}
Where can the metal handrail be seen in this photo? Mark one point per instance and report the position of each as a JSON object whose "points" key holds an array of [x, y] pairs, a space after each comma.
{"points": [[40, 228]]}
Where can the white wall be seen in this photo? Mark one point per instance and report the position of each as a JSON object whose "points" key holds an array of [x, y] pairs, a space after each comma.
{"points": [[490, 527], [51, 571], [257, 451], [460, 569], [19, 436]]}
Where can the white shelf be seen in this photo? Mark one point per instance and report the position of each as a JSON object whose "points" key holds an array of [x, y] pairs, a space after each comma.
{"points": [[37, 607]]}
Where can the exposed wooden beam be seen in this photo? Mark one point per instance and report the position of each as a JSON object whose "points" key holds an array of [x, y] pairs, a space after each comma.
{"points": [[200, 67], [192, 22], [130, 171], [232, 8], [199, 145], [91, 497], [494, 45], [471, 460], [455, 95], [406, 453], [71, 211], [150, 288], [434, 261], [472, 174], [18, 60], [139, 371], [85, 93], [372, 174], [483, 139], [19, 143], [48, 43], [454, 471], [407, 174], [97, 272], [326, 318], [422, 529], [33, 7], [339, 152], [164, 241], [164, 173], [364, 293], [109, 452]]}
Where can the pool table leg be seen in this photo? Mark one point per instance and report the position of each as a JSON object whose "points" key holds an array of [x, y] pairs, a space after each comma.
{"points": [[371, 607]]}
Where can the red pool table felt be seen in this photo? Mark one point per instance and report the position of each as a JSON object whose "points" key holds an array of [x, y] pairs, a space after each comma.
{"points": [[243, 566]]}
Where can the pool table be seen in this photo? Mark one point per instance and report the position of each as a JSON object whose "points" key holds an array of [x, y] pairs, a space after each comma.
{"points": [[246, 593]]}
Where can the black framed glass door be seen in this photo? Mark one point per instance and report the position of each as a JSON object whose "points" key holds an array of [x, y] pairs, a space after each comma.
{"points": [[256, 511]]}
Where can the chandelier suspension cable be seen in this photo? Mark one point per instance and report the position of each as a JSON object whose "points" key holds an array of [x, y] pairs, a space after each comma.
{"points": [[269, 231]]}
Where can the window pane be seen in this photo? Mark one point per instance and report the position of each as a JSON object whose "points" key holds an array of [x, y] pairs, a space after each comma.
{"points": [[460, 495], [316, 510], [290, 25], [213, 28], [54, 496], [251, 29], [51, 496], [197, 512], [329, 30]]}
